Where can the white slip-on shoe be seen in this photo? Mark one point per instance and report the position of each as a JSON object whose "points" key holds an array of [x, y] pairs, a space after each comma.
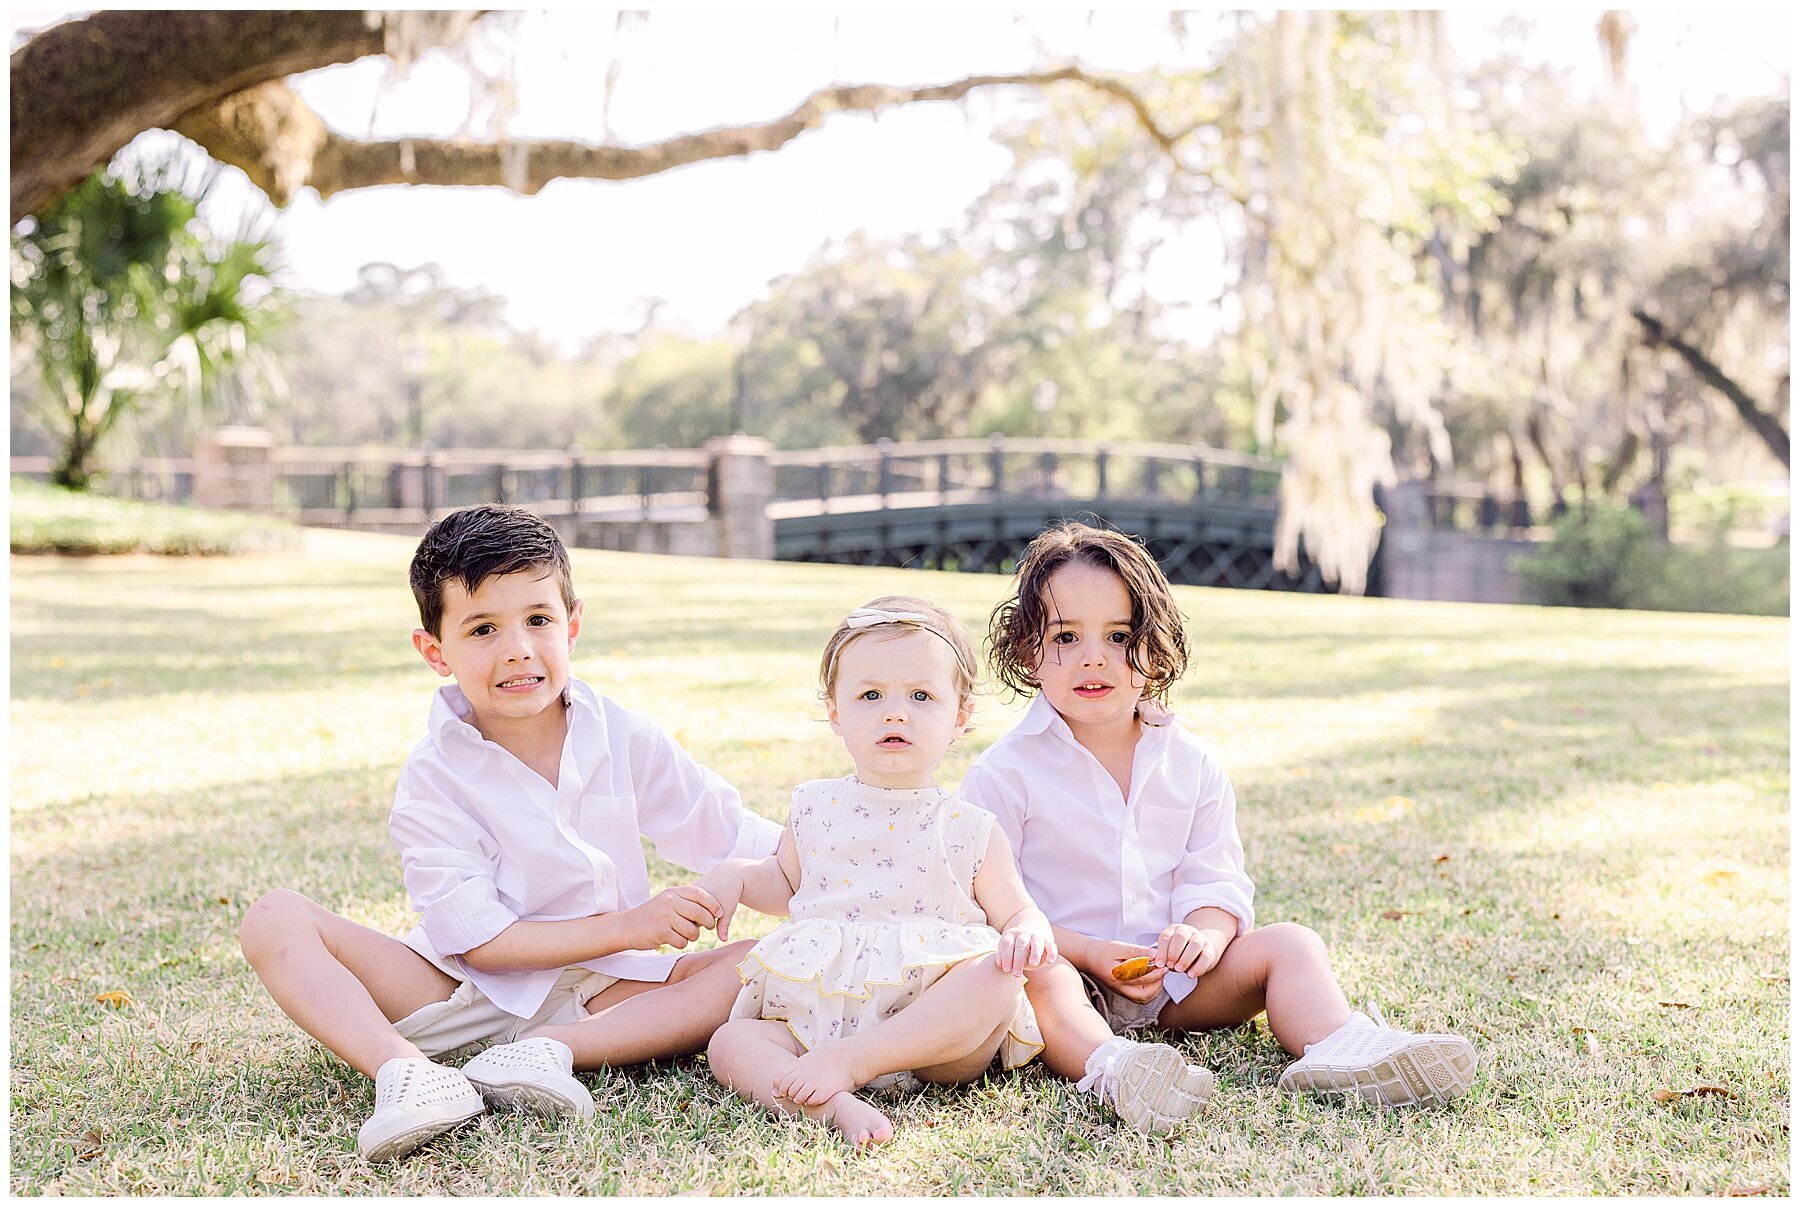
{"points": [[414, 1101], [1385, 1065], [1151, 1086], [531, 1075]]}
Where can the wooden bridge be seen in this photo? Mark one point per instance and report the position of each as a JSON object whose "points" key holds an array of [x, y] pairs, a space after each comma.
{"points": [[1207, 515]]}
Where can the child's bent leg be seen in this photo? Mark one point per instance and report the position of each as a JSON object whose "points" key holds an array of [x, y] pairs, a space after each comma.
{"points": [[748, 1055], [343, 983], [951, 1021], [634, 1021], [1283, 969], [1072, 1028]]}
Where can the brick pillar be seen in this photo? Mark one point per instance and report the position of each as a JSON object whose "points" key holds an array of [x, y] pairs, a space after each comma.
{"points": [[740, 482], [234, 467]]}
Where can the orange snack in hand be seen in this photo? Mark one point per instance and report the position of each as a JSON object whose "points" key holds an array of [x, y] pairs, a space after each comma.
{"points": [[1132, 969]]}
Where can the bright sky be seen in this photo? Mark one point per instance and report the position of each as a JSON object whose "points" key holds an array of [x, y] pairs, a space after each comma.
{"points": [[585, 256]]}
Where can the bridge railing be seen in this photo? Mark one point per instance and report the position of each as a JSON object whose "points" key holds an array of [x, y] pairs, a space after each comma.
{"points": [[916, 473], [349, 486]]}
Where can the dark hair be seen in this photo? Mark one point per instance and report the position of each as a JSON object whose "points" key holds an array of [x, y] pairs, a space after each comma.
{"points": [[477, 543], [1158, 649]]}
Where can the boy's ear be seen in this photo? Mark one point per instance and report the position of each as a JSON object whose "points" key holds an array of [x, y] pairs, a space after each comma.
{"points": [[574, 623], [431, 650]]}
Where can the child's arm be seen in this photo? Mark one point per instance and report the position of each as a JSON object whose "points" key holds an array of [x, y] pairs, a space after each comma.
{"points": [[1194, 944], [688, 811], [674, 917], [1026, 937], [766, 885]]}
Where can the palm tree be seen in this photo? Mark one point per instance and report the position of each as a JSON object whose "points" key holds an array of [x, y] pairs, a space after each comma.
{"points": [[124, 298]]}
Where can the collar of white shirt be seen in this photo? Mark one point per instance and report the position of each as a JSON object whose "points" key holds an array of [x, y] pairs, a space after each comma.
{"points": [[450, 710]]}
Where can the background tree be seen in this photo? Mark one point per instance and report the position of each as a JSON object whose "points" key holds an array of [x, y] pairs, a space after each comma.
{"points": [[123, 299]]}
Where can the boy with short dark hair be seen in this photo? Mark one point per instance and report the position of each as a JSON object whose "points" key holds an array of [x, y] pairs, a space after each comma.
{"points": [[517, 819]]}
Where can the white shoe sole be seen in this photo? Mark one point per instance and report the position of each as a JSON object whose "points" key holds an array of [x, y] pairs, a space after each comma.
{"points": [[1432, 1070], [1159, 1090], [557, 1101], [378, 1148]]}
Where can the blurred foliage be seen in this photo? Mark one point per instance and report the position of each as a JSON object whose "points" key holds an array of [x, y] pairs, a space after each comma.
{"points": [[124, 301], [1428, 271], [1608, 558], [54, 519]]}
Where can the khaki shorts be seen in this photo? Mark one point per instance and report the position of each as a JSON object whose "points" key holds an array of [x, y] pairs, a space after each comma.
{"points": [[466, 1022], [1122, 1014]]}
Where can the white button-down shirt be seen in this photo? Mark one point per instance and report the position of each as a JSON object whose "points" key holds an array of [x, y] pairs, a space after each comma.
{"points": [[1112, 865], [485, 841]]}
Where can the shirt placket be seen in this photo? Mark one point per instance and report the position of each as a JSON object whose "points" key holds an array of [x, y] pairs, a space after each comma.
{"points": [[569, 784]]}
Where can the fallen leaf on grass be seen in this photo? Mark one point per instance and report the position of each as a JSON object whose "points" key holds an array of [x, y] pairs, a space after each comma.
{"points": [[1589, 1044], [1746, 1192], [1441, 859], [1699, 1091], [1393, 915], [118, 999], [91, 1145], [1676, 1005]]}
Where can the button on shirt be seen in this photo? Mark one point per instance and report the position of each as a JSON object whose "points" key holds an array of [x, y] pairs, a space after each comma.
{"points": [[1112, 866], [485, 841]]}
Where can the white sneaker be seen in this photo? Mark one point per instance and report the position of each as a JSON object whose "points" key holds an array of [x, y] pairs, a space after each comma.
{"points": [[1385, 1065], [1151, 1085], [531, 1075], [414, 1101]]}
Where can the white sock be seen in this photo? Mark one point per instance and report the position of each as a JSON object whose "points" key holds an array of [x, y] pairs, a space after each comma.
{"points": [[1100, 1067]]}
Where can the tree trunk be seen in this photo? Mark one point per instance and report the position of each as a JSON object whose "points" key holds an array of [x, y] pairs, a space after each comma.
{"points": [[1767, 426], [74, 469], [85, 88]]}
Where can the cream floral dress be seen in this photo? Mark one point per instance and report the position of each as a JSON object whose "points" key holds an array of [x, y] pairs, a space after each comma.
{"points": [[885, 906]]}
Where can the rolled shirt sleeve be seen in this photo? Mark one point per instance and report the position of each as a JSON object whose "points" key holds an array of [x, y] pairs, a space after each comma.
{"points": [[448, 863], [1211, 871], [689, 812]]}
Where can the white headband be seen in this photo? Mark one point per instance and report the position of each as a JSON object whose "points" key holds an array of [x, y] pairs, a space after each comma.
{"points": [[862, 618], [865, 618]]}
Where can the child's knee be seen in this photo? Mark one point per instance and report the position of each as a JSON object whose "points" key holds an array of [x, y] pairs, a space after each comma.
{"points": [[268, 923], [1289, 942], [728, 1041], [996, 989]]}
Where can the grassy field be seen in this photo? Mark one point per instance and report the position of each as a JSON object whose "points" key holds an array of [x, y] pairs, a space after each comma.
{"points": [[1562, 833]]}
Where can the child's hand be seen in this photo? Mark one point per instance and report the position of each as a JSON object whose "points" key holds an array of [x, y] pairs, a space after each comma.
{"points": [[1026, 943], [726, 883], [675, 916], [1184, 948], [1104, 956]]}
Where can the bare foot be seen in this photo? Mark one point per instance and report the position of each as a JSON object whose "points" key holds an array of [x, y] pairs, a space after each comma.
{"points": [[860, 1124], [816, 1077]]}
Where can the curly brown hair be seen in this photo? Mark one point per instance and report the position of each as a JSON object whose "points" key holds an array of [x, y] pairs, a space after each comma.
{"points": [[1158, 649]]}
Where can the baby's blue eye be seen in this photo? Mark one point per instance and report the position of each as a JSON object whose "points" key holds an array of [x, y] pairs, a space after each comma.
{"points": [[871, 694], [921, 695]]}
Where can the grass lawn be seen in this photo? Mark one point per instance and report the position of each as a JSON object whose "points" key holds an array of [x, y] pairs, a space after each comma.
{"points": [[1562, 833]]}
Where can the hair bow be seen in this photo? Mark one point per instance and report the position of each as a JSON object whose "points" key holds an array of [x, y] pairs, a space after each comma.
{"points": [[862, 618]]}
